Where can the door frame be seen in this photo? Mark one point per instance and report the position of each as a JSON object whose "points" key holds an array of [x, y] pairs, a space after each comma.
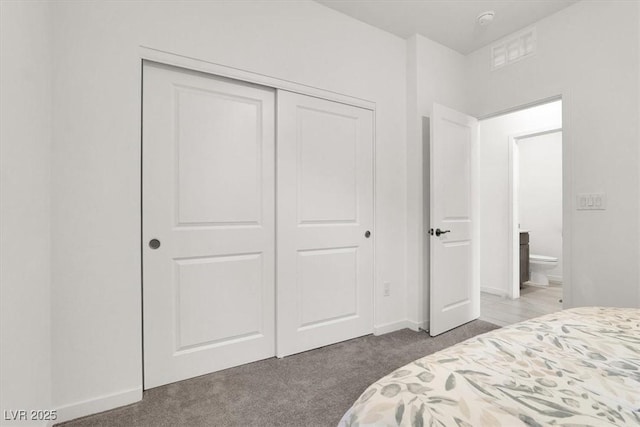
{"points": [[513, 234], [150, 54], [568, 192]]}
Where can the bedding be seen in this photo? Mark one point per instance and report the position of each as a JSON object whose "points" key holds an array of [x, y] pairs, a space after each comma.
{"points": [[578, 367]]}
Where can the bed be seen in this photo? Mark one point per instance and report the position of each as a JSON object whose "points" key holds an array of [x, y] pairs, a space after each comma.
{"points": [[578, 367]]}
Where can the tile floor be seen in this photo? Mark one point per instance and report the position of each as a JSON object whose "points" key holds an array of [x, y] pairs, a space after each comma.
{"points": [[534, 301]]}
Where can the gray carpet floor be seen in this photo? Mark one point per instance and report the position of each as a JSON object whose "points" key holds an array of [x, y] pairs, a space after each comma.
{"points": [[314, 388]]}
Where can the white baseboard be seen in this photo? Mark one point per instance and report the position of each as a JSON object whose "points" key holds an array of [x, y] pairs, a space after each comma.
{"points": [[493, 291], [390, 327], [418, 326], [556, 280], [400, 324], [98, 404]]}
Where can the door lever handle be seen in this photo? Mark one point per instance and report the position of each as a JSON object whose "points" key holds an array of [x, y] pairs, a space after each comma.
{"points": [[439, 232]]}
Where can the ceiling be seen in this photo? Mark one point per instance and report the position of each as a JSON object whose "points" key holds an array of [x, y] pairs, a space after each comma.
{"points": [[449, 22]]}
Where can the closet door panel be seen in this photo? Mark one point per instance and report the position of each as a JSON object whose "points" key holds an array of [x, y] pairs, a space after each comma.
{"points": [[209, 206], [325, 222]]}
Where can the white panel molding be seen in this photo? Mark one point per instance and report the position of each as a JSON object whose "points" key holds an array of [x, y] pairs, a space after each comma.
{"points": [[203, 199], [177, 60], [98, 404]]}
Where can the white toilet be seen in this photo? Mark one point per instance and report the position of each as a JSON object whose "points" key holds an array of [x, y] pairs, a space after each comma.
{"points": [[539, 266]]}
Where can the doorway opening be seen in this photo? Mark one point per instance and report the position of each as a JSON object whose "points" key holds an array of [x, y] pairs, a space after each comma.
{"points": [[536, 209], [521, 214]]}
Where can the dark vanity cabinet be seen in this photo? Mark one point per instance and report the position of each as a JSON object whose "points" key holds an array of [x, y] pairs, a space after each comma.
{"points": [[525, 275]]}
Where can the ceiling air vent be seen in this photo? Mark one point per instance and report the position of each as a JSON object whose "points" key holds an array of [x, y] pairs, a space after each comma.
{"points": [[513, 48]]}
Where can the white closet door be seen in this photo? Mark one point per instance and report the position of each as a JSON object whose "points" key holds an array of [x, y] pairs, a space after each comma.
{"points": [[208, 199], [325, 220]]}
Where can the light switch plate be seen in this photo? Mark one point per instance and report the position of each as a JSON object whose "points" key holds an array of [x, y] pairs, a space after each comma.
{"points": [[591, 202]]}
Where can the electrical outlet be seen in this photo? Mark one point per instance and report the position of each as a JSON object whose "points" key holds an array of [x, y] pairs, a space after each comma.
{"points": [[387, 289]]}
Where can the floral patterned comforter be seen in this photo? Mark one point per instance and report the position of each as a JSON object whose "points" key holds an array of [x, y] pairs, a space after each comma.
{"points": [[578, 367]]}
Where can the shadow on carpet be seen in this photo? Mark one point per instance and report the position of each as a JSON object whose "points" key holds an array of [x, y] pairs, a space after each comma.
{"points": [[314, 388]]}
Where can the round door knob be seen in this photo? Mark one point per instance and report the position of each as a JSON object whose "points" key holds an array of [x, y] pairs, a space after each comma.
{"points": [[154, 243], [367, 234]]}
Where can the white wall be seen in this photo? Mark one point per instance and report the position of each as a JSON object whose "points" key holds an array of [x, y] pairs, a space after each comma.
{"points": [[493, 155], [540, 196], [25, 154], [96, 205], [435, 73], [588, 53]]}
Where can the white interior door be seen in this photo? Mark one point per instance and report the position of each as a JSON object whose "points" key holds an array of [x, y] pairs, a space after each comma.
{"points": [[208, 199], [455, 290], [325, 209]]}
